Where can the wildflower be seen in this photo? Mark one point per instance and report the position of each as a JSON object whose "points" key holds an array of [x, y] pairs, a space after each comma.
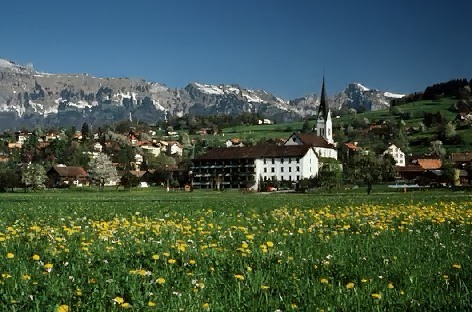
{"points": [[239, 277], [171, 261], [390, 285], [249, 269], [155, 257], [350, 285], [324, 281], [151, 304], [119, 300], [125, 305], [192, 262], [63, 308], [26, 277], [364, 280], [294, 306], [36, 257], [457, 266], [6, 275], [264, 287], [376, 296], [270, 244], [10, 255], [250, 236], [78, 292], [161, 281], [206, 305]]}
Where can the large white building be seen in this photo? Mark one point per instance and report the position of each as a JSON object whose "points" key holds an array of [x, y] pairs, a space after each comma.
{"points": [[397, 154], [246, 167]]}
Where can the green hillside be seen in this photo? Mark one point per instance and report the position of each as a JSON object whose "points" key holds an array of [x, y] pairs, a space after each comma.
{"points": [[410, 117]]}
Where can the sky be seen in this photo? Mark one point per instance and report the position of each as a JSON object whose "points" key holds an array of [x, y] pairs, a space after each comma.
{"points": [[280, 46]]}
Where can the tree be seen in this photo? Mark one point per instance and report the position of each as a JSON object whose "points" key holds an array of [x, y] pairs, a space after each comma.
{"points": [[128, 180], [85, 131], [102, 170], [8, 179], [329, 175], [125, 156], [34, 176]]}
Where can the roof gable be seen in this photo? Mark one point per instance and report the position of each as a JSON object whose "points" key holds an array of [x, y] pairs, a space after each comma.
{"points": [[70, 171]]}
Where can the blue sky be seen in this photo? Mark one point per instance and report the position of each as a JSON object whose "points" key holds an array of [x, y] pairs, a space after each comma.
{"points": [[280, 46]]}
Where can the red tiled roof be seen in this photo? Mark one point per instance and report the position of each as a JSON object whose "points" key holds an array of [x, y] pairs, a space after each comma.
{"points": [[430, 164], [461, 157], [313, 140], [256, 151], [70, 171], [351, 146]]}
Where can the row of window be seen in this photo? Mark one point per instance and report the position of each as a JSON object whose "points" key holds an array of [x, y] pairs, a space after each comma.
{"points": [[290, 178], [297, 160], [282, 169]]}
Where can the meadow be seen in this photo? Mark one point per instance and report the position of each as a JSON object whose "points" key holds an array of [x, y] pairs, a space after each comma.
{"points": [[148, 250]]}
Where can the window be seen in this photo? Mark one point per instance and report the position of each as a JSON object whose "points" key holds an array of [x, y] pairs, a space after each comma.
{"points": [[298, 168], [282, 169], [298, 160], [273, 161], [298, 177], [265, 170], [290, 160], [265, 161], [281, 160], [281, 178], [289, 169], [272, 169]]}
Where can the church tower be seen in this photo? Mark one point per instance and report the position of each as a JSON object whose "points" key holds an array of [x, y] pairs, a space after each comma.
{"points": [[324, 125]]}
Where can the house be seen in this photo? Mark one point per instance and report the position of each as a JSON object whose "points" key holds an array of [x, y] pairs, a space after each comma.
{"points": [[461, 159], [234, 143], [174, 148], [144, 176], [276, 141], [154, 149], [205, 131], [265, 121], [247, 167], [397, 155], [61, 175]]}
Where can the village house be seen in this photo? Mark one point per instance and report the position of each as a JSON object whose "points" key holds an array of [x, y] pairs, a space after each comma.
{"points": [[397, 154], [234, 143], [65, 176]]}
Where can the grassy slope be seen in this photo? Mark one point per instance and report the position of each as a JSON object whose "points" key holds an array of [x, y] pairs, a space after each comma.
{"points": [[416, 109]]}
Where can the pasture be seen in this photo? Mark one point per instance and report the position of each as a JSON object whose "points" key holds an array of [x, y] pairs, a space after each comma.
{"points": [[148, 250]]}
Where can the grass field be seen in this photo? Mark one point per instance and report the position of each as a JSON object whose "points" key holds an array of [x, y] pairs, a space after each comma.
{"points": [[148, 250]]}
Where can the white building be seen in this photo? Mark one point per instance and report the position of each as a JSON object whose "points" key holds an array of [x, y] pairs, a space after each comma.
{"points": [[397, 154], [246, 167], [320, 145]]}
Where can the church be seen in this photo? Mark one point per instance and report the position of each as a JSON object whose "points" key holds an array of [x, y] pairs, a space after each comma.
{"points": [[246, 167]]}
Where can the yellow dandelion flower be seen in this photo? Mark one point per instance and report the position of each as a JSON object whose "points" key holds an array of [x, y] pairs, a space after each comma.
{"points": [[264, 287], [249, 269], [155, 257], [364, 280], [48, 266], [239, 277], [206, 305], [376, 296], [151, 304], [192, 262], [294, 306], [78, 292], [445, 276], [6, 275], [36, 257], [166, 254], [244, 245], [119, 300], [125, 305], [390, 285], [250, 236], [63, 308], [161, 281], [270, 244], [26, 277], [324, 281], [10, 255], [171, 261], [350, 285], [457, 266]]}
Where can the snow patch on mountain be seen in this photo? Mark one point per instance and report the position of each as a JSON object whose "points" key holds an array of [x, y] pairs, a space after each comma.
{"points": [[393, 95]]}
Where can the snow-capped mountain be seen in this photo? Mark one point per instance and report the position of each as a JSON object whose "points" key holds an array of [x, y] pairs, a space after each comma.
{"points": [[360, 97], [32, 98]]}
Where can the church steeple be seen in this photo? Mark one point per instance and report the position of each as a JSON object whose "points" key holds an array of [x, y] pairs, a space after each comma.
{"points": [[323, 108], [324, 126]]}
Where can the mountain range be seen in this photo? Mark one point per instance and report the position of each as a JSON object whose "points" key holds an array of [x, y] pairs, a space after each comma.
{"points": [[29, 98]]}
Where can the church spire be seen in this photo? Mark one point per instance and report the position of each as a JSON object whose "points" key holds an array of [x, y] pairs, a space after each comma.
{"points": [[323, 109]]}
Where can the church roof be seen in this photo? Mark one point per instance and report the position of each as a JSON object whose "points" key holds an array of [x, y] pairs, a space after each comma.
{"points": [[314, 140]]}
